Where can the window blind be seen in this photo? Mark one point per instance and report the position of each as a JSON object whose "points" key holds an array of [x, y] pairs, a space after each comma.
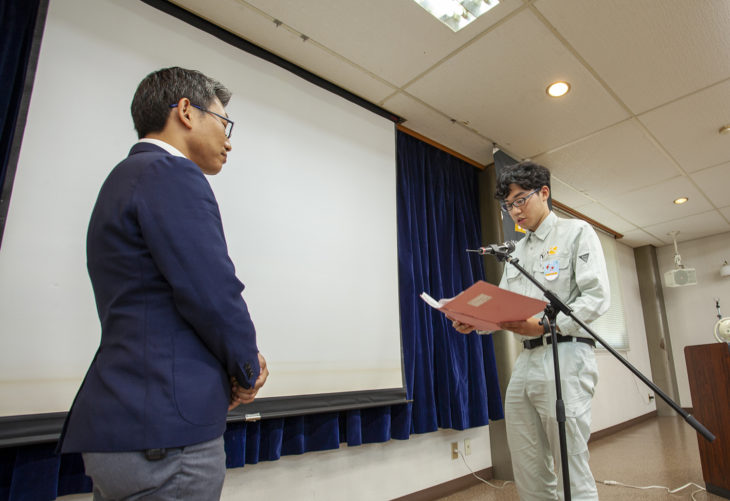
{"points": [[611, 326]]}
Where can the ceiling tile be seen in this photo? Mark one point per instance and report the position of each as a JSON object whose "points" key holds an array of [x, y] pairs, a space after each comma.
{"points": [[248, 23], [639, 238], [654, 204], [691, 227], [567, 195], [606, 217], [648, 52], [689, 127], [497, 85], [429, 123], [611, 162], [396, 40], [725, 211], [715, 183]]}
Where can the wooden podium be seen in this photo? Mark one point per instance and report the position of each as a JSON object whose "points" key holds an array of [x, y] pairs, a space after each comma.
{"points": [[708, 370]]}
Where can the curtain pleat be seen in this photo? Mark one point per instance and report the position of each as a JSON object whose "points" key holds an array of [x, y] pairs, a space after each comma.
{"points": [[451, 377]]}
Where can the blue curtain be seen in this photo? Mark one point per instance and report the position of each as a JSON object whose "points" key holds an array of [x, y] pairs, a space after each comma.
{"points": [[452, 378], [17, 23]]}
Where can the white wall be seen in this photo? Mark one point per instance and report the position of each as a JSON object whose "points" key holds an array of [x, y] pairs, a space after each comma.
{"points": [[691, 312], [369, 472], [621, 396]]}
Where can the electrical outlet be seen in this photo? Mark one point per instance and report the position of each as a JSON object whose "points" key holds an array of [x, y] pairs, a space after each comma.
{"points": [[454, 450], [467, 447]]}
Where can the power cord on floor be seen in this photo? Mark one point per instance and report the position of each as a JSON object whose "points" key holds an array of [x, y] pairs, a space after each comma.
{"points": [[605, 482], [670, 491], [506, 482]]}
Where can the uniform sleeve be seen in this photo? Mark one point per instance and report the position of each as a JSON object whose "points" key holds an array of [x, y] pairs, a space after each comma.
{"points": [[591, 278], [180, 222]]}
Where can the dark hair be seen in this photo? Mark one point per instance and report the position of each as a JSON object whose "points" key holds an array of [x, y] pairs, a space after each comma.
{"points": [[160, 89], [527, 175]]}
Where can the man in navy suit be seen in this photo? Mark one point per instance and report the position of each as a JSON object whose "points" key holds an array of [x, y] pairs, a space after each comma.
{"points": [[178, 348]]}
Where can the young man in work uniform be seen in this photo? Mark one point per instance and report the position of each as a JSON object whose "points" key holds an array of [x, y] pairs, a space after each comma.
{"points": [[565, 255]]}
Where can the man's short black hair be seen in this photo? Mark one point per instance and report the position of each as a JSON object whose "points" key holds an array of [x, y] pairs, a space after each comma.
{"points": [[527, 175], [160, 89]]}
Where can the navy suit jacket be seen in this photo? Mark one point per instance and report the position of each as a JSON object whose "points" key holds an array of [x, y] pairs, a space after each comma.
{"points": [[174, 326]]}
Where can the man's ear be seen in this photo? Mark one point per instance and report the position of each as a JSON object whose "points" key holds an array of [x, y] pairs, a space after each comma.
{"points": [[545, 192], [184, 111]]}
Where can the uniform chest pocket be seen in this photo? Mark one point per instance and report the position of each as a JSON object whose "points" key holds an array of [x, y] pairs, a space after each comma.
{"points": [[555, 272], [511, 273]]}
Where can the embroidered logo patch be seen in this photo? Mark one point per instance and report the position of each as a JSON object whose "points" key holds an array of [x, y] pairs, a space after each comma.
{"points": [[584, 257]]}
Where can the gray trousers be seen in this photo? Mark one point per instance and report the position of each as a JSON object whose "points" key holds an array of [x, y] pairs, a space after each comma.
{"points": [[194, 472], [532, 428]]}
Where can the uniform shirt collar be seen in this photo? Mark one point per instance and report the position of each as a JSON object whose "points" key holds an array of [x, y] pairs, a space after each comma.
{"points": [[165, 146], [545, 227]]}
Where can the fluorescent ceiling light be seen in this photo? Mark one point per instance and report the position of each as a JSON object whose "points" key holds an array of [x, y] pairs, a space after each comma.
{"points": [[456, 13]]}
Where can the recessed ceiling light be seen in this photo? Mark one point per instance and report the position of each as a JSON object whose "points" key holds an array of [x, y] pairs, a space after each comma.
{"points": [[725, 129], [558, 89], [457, 13], [681, 200]]}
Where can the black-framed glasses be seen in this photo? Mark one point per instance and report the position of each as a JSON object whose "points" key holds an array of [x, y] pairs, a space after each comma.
{"points": [[227, 125], [507, 206]]}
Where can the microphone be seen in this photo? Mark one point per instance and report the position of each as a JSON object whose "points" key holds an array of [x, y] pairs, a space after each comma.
{"points": [[504, 248]]}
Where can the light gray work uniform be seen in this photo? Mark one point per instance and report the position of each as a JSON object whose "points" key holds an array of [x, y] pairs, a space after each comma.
{"points": [[566, 256]]}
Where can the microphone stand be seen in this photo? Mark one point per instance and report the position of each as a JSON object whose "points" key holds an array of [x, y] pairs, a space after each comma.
{"points": [[555, 306]]}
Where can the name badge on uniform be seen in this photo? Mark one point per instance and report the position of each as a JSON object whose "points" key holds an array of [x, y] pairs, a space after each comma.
{"points": [[552, 268]]}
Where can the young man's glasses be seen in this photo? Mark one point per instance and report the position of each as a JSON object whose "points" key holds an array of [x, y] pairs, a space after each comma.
{"points": [[227, 124], [507, 206]]}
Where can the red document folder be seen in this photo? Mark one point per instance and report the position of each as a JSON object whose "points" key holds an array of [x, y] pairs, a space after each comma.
{"points": [[485, 305]]}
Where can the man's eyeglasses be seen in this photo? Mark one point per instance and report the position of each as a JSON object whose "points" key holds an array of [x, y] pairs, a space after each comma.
{"points": [[227, 125], [507, 206]]}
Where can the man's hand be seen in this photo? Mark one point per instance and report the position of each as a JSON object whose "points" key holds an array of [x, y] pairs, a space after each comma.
{"points": [[530, 327], [240, 395], [461, 327]]}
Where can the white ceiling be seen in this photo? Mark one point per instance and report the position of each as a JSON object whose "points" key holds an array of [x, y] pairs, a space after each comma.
{"points": [[650, 89]]}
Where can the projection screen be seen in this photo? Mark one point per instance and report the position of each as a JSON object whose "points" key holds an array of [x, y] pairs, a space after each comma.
{"points": [[307, 198]]}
